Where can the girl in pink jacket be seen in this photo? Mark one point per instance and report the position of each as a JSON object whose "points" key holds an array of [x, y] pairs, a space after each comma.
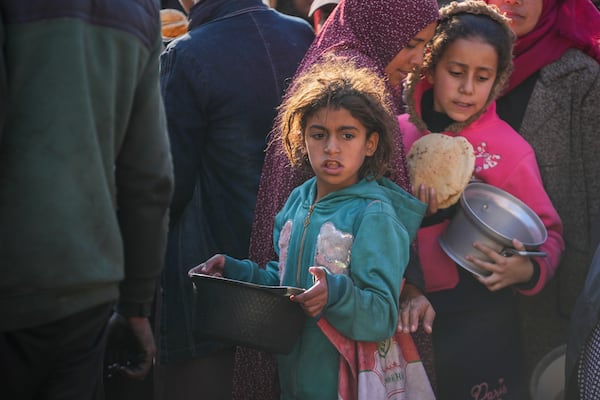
{"points": [[476, 333]]}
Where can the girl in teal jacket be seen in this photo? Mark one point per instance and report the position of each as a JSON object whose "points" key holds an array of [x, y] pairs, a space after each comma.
{"points": [[344, 235]]}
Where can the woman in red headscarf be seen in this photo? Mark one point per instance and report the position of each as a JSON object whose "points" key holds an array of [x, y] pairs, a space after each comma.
{"points": [[553, 100], [387, 36]]}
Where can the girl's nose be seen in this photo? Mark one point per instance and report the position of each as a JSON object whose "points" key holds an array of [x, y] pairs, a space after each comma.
{"points": [[466, 86], [331, 145]]}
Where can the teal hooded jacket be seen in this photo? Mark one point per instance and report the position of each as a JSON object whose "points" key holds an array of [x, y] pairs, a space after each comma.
{"points": [[361, 235]]}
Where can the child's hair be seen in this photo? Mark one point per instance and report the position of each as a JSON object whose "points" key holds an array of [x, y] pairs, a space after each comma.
{"points": [[470, 19], [337, 83]]}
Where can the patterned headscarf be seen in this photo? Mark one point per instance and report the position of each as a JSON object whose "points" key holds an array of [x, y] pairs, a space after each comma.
{"points": [[563, 24], [371, 33]]}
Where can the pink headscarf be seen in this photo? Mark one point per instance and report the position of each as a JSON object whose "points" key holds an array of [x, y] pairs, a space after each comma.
{"points": [[562, 25], [371, 32]]}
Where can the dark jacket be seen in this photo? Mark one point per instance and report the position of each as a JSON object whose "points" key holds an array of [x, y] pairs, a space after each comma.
{"points": [[221, 85], [584, 317], [85, 169]]}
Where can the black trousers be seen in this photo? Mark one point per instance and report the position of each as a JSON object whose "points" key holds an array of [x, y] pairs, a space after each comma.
{"points": [[478, 355], [60, 360]]}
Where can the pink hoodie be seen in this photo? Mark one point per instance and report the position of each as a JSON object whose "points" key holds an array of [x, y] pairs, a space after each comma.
{"points": [[503, 159]]}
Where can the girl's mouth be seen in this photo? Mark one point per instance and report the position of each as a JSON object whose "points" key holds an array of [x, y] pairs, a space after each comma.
{"points": [[332, 165], [462, 105]]}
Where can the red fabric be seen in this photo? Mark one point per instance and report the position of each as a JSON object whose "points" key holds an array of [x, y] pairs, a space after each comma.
{"points": [[562, 25], [359, 358], [316, 19], [441, 272]]}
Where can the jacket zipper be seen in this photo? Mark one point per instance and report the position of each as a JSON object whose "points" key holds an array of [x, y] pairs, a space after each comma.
{"points": [[301, 249], [298, 270]]}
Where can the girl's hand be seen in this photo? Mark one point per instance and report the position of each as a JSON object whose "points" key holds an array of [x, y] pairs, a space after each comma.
{"points": [[214, 266], [414, 307], [314, 300], [427, 196], [505, 271]]}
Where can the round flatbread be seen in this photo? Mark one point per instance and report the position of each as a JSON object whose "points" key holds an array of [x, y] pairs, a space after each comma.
{"points": [[443, 162], [174, 23]]}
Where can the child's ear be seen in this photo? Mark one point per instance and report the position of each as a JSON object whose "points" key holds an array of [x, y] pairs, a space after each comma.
{"points": [[372, 143]]}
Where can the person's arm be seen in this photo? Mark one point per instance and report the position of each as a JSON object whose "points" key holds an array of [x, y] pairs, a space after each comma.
{"points": [[525, 183], [586, 123], [415, 309], [221, 265], [184, 93], [144, 180], [144, 183]]}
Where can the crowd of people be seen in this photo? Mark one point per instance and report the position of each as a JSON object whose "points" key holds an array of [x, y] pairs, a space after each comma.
{"points": [[266, 141]]}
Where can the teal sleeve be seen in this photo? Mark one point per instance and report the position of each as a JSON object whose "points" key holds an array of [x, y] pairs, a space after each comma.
{"points": [[249, 271], [364, 305]]}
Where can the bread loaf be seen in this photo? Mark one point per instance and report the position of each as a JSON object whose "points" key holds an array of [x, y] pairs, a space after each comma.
{"points": [[174, 23], [443, 162]]}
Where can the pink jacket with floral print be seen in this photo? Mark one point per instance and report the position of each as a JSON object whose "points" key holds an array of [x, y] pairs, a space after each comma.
{"points": [[503, 159]]}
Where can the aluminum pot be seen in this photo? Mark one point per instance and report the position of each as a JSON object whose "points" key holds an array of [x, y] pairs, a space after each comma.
{"points": [[493, 217]]}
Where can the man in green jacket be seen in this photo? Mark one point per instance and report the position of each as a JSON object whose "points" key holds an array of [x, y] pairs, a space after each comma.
{"points": [[85, 183]]}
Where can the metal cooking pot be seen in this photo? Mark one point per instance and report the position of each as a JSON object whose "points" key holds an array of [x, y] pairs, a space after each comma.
{"points": [[246, 314], [493, 217]]}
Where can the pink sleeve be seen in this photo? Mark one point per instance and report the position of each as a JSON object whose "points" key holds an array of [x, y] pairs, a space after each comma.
{"points": [[526, 184]]}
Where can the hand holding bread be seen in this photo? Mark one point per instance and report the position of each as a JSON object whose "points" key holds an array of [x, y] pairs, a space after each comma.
{"points": [[441, 162]]}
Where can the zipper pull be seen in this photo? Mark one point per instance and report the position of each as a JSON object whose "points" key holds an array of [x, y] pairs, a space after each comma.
{"points": [[307, 219]]}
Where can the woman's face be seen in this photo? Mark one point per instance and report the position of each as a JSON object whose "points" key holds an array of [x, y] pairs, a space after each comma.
{"points": [[524, 14], [410, 56]]}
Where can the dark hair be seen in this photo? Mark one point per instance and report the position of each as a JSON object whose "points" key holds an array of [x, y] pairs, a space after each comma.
{"points": [[474, 19], [337, 83]]}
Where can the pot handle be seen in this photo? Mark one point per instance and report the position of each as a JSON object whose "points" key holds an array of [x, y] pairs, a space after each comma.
{"points": [[509, 251]]}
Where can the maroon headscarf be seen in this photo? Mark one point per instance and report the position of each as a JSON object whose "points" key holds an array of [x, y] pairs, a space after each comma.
{"points": [[562, 25], [371, 32]]}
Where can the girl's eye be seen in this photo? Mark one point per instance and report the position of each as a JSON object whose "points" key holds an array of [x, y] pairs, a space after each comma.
{"points": [[347, 135], [455, 73], [483, 78], [317, 135]]}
